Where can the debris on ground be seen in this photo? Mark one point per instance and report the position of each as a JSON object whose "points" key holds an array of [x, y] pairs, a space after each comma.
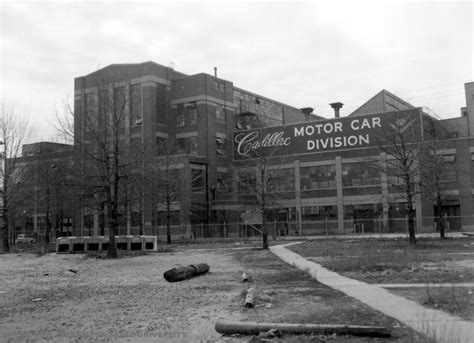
{"points": [[183, 273], [250, 298], [246, 277]]}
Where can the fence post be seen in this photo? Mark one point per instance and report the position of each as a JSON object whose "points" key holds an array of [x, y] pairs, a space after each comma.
{"points": [[202, 230], [406, 224], [446, 225], [326, 225]]}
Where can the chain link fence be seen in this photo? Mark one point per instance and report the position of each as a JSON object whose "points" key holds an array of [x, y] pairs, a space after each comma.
{"points": [[327, 227]]}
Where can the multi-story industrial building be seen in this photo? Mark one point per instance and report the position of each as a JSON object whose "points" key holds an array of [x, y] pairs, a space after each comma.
{"points": [[196, 114], [321, 179]]}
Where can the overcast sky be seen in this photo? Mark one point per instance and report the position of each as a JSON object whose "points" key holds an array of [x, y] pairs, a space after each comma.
{"points": [[305, 54]]}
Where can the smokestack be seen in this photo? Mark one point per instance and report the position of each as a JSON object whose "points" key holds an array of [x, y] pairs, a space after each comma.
{"points": [[215, 71], [336, 106], [307, 110]]}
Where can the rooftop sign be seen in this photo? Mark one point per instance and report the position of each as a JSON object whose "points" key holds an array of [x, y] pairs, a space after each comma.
{"points": [[325, 135]]}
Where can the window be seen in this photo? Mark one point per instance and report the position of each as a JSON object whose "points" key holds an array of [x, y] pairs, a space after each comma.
{"points": [[221, 86], [162, 146], [136, 104], [197, 181], [448, 172], [247, 181], [281, 180], [358, 174], [224, 182], [186, 146], [192, 115], [181, 145], [160, 104], [220, 114], [192, 144], [318, 177], [119, 101], [180, 119], [104, 102], [220, 146], [394, 172], [318, 212]]}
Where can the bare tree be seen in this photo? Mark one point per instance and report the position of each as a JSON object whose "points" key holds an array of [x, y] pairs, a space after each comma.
{"points": [[14, 132], [102, 153], [51, 180], [166, 182], [401, 165], [435, 167], [261, 191]]}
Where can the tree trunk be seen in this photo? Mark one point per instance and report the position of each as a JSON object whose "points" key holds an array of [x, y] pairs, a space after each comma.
{"points": [[5, 242], [409, 210], [440, 215], [264, 235], [168, 211], [264, 221], [253, 328], [112, 252], [48, 219]]}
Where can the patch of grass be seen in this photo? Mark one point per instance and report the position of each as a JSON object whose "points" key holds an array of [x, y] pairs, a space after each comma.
{"points": [[393, 260], [455, 300]]}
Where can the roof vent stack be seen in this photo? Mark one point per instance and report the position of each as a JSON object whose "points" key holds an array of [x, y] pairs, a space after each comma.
{"points": [[337, 107]]}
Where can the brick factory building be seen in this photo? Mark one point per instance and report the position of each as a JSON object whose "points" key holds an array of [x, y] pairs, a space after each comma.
{"points": [[318, 166]]}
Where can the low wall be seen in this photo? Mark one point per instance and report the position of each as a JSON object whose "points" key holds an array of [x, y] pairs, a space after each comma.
{"points": [[69, 245]]}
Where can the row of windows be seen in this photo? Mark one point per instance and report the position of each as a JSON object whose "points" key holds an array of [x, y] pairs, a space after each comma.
{"points": [[188, 115], [318, 212], [119, 106], [187, 145], [251, 103], [318, 177], [359, 174], [353, 212], [324, 177]]}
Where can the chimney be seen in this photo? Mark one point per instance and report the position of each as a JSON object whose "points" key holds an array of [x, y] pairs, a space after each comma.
{"points": [[215, 71], [336, 106], [307, 110]]}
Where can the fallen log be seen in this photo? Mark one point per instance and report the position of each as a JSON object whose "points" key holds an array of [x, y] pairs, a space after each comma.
{"points": [[228, 327], [183, 273]]}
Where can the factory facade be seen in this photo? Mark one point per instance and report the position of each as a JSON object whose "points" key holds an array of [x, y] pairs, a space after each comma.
{"points": [[322, 171]]}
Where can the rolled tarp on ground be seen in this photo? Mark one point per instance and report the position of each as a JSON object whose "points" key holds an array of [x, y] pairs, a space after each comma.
{"points": [[228, 327], [185, 272]]}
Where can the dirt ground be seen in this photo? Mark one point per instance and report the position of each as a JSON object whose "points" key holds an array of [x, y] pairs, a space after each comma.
{"points": [[123, 300], [75, 298]]}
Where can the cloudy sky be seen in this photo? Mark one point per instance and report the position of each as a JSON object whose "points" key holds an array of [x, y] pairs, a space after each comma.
{"points": [[300, 53]]}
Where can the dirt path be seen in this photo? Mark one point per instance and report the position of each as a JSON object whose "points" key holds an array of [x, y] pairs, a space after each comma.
{"points": [[125, 300]]}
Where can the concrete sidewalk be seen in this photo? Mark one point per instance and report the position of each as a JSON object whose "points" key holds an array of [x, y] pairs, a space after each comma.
{"points": [[435, 324]]}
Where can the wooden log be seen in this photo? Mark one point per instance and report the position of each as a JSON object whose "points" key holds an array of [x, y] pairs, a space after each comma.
{"points": [[187, 272], [250, 298], [228, 327]]}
